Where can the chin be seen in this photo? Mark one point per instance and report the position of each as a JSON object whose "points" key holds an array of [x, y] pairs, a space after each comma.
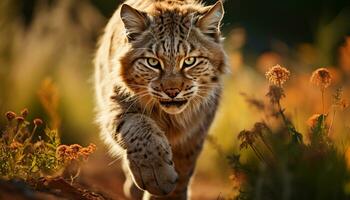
{"points": [[173, 107]]}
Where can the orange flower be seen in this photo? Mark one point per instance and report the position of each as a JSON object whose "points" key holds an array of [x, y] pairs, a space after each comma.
{"points": [[20, 119], [62, 152], [277, 75], [86, 151], [321, 78], [24, 112], [10, 115], [38, 122]]}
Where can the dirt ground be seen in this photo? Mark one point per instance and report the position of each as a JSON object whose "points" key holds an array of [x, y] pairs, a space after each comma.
{"points": [[100, 178], [108, 178]]}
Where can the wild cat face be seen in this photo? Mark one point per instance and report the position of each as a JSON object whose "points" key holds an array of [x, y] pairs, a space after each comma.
{"points": [[175, 55]]}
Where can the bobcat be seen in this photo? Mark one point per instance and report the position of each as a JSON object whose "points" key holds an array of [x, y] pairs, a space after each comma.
{"points": [[157, 82]]}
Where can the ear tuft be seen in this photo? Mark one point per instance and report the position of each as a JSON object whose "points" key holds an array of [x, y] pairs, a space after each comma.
{"points": [[210, 21], [135, 22]]}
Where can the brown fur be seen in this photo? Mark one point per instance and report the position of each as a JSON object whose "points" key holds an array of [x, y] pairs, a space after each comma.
{"points": [[156, 116]]}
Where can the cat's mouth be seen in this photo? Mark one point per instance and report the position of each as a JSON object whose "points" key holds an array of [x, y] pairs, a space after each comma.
{"points": [[177, 103], [173, 106]]}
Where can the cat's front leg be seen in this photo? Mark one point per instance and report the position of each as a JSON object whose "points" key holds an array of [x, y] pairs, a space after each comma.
{"points": [[148, 154]]}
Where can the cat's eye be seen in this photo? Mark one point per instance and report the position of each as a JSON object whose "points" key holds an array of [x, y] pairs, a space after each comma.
{"points": [[152, 62], [188, 62]]}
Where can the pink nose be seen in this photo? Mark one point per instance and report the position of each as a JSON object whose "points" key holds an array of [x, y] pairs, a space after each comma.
{"points": [[172, 92]]}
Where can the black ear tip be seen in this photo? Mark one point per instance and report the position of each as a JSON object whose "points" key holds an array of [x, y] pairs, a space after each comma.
{"points": [[125, 7], [219, 4]]}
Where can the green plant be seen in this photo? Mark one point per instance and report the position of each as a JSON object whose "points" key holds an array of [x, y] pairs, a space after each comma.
{"points": [[285, 166], [29, 151]]}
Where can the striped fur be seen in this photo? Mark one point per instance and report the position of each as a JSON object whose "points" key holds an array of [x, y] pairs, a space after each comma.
{"points": [[157, 83]]}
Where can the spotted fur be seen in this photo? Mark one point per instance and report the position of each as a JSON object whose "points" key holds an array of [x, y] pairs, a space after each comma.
{"points": [[157, 82]]}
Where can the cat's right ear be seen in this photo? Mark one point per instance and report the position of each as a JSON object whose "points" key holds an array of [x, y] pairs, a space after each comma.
{"points": [[135, 21]]}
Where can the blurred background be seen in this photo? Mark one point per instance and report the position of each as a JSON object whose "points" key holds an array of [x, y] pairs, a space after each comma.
{"points": [[47, 46]]}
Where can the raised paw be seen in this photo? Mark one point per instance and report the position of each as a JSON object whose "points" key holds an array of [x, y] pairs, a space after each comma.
{"points": [[151, 166]]}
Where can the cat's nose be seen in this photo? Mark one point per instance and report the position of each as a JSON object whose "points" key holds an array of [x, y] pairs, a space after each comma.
{"points": [[172, 92]]}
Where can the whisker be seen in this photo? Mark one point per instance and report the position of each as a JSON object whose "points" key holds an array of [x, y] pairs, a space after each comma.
{"points": [[144, 109], [136, 95], [137, 86], [144, 48], [152, 107], [137, 98]]}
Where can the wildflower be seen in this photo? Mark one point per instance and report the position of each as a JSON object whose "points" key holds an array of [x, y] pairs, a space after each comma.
{"points": [[20, 119], [10, 115], [92, 147], [73, 152], [321, 78], [275, 93], [86, 151], [277, 75], [247, 138], [259, 127], [75, 148], [61, 151], [67, 153], [24, 113], [38, 122]]}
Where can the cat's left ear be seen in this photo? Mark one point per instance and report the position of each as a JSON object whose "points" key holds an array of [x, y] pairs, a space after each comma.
{"points": [[135, 21], [210, 21]]}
